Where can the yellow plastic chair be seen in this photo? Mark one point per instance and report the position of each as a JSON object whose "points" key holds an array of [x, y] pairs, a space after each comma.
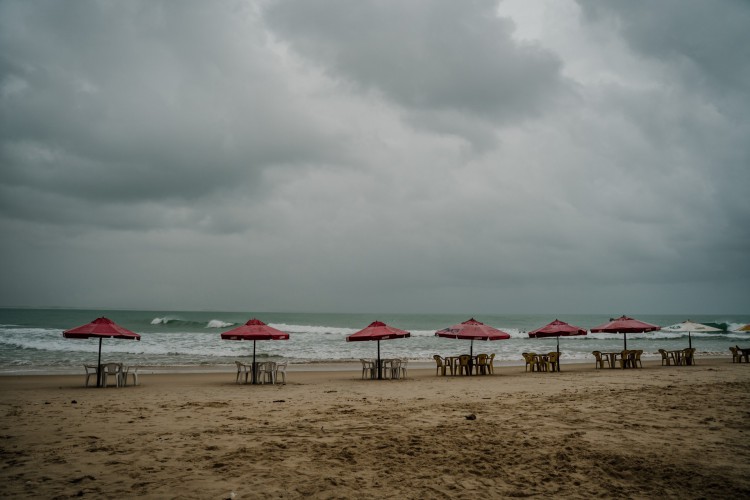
{"points": [[464, 368], [625, 359], [440, 368], [636, 358], [552, 362], [600, 360], [490, 366], [481, 368], [531, 361], [665, 360]]}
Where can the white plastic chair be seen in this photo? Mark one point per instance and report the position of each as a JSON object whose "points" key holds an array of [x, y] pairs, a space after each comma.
{"points": [[91, 371], [402, 368], [129, 370], [243, 370], [267, 372], [112, 370], [368, 368], [394, 368], [280, 370]]}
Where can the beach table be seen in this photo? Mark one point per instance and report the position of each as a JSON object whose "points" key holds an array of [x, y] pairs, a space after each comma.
{"points": [[612, 357], [452, 363], [678, 356]]}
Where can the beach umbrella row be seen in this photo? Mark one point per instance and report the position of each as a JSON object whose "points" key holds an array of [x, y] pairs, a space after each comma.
{"points": [[471, 329]]}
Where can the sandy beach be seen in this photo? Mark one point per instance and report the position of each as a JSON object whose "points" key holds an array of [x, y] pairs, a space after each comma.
{"points": [[675, 432]]}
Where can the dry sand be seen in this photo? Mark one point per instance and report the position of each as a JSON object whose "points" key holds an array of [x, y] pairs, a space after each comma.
{"points": [[676, 432]]}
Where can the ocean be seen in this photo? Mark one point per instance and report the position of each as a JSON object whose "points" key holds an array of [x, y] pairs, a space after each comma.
{"points": [[31, 340]]}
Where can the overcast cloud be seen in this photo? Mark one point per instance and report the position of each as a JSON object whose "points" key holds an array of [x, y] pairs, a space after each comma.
{"points": [[376, 156]]}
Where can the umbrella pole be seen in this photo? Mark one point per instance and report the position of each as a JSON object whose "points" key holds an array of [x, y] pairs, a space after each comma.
{"points": [[625, 339], [471, 357], [380, 374], [558, 353], [99, 365], [255, 378], [690, 341]]}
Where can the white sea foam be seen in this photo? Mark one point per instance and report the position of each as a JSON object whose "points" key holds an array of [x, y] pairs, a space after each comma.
{"points": [[217, 323]]}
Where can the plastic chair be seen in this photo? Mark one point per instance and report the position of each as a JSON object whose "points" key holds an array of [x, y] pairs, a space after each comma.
{"points": [[441, 366], [129, 370], [735, 355], [112, 370], [531, 361], [243, 370], [481, 368], [394, 368], [600, 360], [403, 364], [490, 366], [636, 358], [368, 368], [625, 359], [91, 371], [267, 372], [464, 368], [664, 357], [689, 356], [280, 370], [552, 362]]}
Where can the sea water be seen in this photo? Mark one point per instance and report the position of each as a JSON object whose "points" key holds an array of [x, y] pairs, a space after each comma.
{"points": [[31, 340]]}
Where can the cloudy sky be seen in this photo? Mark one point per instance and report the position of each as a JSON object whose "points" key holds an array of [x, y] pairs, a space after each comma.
{"points": [[376, 156]]}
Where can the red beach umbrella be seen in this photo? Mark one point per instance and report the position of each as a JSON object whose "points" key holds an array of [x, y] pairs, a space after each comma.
{"points": [[254, 330], [557, 329], [100, 328], [625, 325], [472, 330], [377, 330]]}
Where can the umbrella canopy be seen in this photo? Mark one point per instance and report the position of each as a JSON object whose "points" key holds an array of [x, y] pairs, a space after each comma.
{"points": [[100, 328], [625, 325], [557, 329], [254, 330], [472, 330], [689, 326], [377, 330]]}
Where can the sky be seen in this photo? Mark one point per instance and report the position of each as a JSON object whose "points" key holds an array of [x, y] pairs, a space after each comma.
{"points": [[546, 156]]}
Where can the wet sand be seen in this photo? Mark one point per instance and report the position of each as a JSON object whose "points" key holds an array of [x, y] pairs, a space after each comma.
{"points": [[675, 432]]}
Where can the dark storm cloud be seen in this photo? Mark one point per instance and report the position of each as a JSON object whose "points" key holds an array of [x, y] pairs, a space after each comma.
{"points": [[130, 102], [439, 59], [704, 48], [705, 40], [393, 156]]}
